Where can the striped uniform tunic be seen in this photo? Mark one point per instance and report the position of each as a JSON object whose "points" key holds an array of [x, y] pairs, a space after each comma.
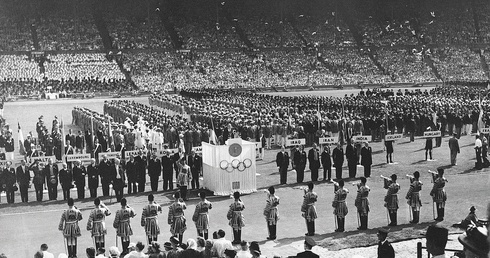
{"points": [[413, 195], [391, 198], [96, 221], [149, 219], [235, 216], [362, 202], [308, 206], [438, 193], [69, 222], [201, 215], [122, 223], [339, 203], [270, 210], [176, 218]]}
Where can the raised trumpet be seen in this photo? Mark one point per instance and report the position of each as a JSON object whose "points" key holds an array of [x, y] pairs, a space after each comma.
{"points": [[432, 172], [409, 176], [385, 177]]}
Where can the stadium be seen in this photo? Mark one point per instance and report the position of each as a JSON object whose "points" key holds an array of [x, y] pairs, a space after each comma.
{"points": [[140, 128]]}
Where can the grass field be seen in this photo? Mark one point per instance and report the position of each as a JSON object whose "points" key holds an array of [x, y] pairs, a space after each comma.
{"points": [[36, 223]]}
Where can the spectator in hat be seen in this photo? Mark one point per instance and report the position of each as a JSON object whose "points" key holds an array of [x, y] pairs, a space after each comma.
{"points": [[46, 254], [255, 249], [154, 250], [90, 251], [470, 219], [308, 245], [230, 253], [100, 252], [168, 247], [385, 250], [138, 252], [475, 243], [38, 254]]}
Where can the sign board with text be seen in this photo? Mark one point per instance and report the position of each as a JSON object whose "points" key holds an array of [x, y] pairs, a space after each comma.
{"points": [[432, 134], [393, 137], [362, 138], [43, 159], [328, 140], [110, 155], [485, 130], [160, 153], [197, 149], [74, 157], [295, 142], [3, 163]]}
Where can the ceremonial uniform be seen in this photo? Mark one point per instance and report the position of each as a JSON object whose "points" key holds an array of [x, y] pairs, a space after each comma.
{"points": [[150, 222], [340, 208], [69, 226], [391, 200], [176, 219], [201, 218], [271, 215], [413, 197], [123, 226], [439, 196], [236, 220], [362, 204], [309, 211], [96, 224]]}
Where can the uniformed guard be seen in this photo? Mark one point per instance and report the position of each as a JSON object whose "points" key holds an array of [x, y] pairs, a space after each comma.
{"points": [[234, 215], [96, 223], [149, 219], [270, 213], [176, 218], [340, 208], [438, 193], [201, 216], [362, 203], [308, 209], [391, 198], [69, 226], [122, 224], [413, 196]]}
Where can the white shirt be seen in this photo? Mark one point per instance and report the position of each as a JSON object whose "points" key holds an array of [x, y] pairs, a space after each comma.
{"points": [[47, 254], [220, 245], [243, 254], [136, 254], [478, 143]]}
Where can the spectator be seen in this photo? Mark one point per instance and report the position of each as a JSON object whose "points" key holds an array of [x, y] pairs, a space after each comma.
{"points": [[46, 254]]}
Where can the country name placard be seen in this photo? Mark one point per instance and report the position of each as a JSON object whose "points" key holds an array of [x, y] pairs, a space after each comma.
{"points": [[432, 134], [362, 138], [295, 142], [74, 157], [393, 137], [327, 140]]}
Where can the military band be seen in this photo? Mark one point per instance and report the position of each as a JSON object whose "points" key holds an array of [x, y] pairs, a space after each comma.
{"points": [[308, 209], [270, 213], [96, 223], [413, 196], [149, 219], [176, 218], [362, 203], [391, 198], [122, 224], [201, 216], [438, 193], [70, 228], [235, 218]]}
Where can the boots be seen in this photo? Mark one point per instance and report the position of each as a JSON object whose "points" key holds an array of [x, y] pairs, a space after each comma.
{"points": [[272, 232], [311, 228], [206, 236], [340, 224], [364, 221], [180, 238], [393, 219], [415, 217], [74, 250], [440, 214], [235, 237], [70, 251]]}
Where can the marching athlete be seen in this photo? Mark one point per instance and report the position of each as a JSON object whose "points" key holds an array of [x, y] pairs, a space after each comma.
{"points": [[149, 219], [69, 226], [271, 214], [413, 196], [176, 218], [201, 216], [438, 193], [308, 209], [234, 215], [96, 223], [122, 224], [340, 208], [362, 203], [391, 198]]}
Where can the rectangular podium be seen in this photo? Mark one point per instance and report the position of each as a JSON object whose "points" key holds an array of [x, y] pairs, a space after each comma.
{"points": [[229, 168]]}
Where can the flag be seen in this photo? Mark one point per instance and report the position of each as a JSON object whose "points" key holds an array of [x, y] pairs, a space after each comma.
{"points": [[62, 128], [111, 139], [480, 116], [22, 151], [319, 116], [212, 137], [92, 139]]}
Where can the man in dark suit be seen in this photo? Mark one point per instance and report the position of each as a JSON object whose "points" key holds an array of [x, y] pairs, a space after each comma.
{"points": [[309, 243], [104, 172], [80, 142], [51, 176], [93, 178], [314, 160], [195, 162], [154, 171], [131, 175], [140, 164], [385, 250], [338, 160], [282, 162], [168, 172], [327, 164], [79, 173], [70, 137], [366, 159], [454, 149], [9, 182], [299, 160], [23, 179], [351, 155], [66, 179]]}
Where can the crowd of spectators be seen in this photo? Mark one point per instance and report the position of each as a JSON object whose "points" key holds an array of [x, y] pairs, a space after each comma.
{"points": [[96, 65]]}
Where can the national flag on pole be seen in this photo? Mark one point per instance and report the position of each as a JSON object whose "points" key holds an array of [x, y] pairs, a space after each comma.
{"points": [[110, 134], [92, 139], [62, 128], [22, 151], [480, 116], [213, 139], [319, 116]]}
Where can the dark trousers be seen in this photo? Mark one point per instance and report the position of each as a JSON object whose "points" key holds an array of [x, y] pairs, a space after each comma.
{"points": [[338, 171], [352, 168], [327, 172], [23, 192], [393, 218], [168, 184], [363, 221], [478, 159], [105, 188], [283, 173], [195, 180], [237, 236], [141, 186], [272, 231], [310, 227], [66, 193], [81, 192], [429, 151], [438, 141], [93, 192], [154, 183], [340, 224], [314, 174], [183, 191], [39, 192], [367, 171], [119, 193], [10, 196], [53, 191], [390, 156], [132, 187], [300, 174]]}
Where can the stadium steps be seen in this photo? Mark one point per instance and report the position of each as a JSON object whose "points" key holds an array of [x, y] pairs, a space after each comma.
{"points": [[241, 33], [292, 22], [97, 13], [164, 15], [476, 22]]}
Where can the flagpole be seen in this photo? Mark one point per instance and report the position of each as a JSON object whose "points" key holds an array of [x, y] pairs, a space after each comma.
{"points": [[62, 128]]}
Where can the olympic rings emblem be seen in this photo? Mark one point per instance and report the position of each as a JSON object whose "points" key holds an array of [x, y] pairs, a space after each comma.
{"points": [[235, 164]]}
